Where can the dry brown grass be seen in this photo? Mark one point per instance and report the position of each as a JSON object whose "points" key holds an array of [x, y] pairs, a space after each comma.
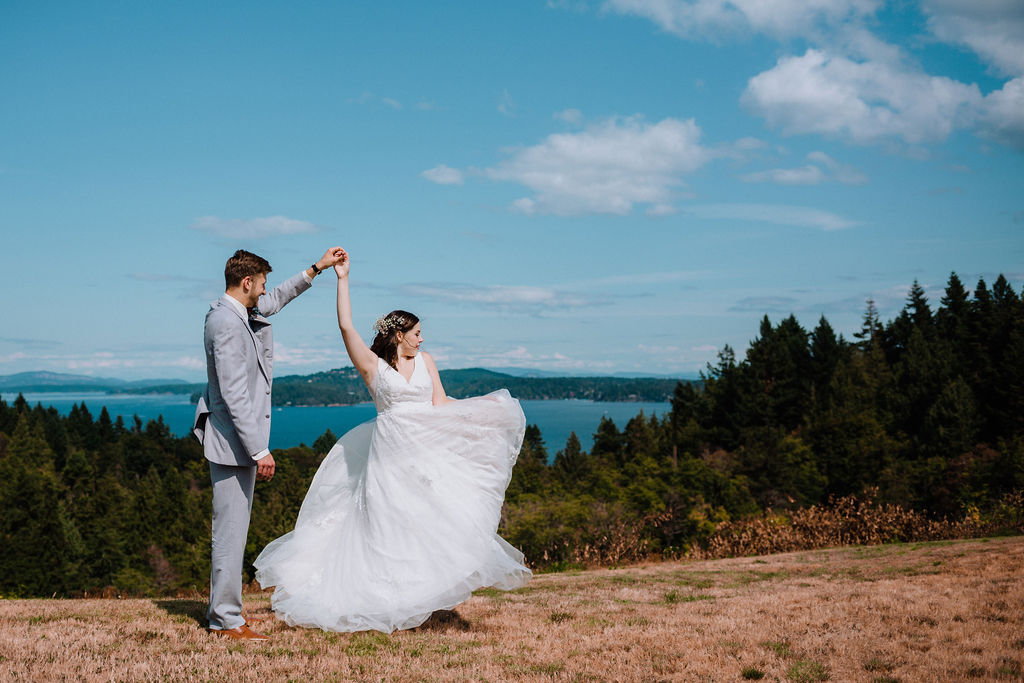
{"points": [[908, 612], [853, 520]]}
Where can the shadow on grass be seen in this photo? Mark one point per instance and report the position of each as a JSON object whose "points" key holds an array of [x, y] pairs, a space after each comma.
{"points": [[444, 620], [184, 610]]}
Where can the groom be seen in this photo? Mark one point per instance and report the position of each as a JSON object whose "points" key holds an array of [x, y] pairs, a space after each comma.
{"points": [[233, 417]]}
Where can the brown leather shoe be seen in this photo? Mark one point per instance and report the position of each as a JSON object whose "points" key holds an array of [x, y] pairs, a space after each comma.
{"points": [[253, 618], [243, 632]]}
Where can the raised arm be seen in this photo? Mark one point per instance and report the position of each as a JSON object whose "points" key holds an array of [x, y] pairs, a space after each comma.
{"points": [[273, 301], [364, 360]]}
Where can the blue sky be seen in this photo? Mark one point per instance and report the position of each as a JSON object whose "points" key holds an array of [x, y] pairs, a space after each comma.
{"points": [[572, 186]]}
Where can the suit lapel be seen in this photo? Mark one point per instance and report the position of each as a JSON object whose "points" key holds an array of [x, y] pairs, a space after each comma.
{"points": [[257, 344]]}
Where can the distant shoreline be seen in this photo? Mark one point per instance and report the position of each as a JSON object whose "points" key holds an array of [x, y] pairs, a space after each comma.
{"points": [[39, 396], [344, 387]]}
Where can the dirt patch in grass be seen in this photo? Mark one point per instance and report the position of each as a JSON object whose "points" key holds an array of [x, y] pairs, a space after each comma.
{"points": [[907, 612]]}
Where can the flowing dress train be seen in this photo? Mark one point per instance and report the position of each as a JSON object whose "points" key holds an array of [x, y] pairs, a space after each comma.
{"points": [[401, 517]]}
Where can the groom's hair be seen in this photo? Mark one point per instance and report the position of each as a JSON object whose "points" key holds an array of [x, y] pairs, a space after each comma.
{"points": [[242, 265]]}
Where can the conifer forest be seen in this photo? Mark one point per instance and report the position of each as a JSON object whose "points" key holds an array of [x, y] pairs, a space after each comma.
{"points": [[924, 412]]}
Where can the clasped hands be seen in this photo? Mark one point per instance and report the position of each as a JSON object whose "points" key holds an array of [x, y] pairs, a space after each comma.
{"points": [[331, 257], [266, 466]]}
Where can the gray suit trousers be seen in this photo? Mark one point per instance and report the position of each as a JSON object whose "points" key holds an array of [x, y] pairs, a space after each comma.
{"points": [[232, 503]]}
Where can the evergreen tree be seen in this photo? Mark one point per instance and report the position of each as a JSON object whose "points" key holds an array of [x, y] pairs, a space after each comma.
{"points": [[826, 353], [531, 473], [534, 442], [952, 424], [917, 306], [871, 326], [920, 374], [778, 372], [105, 431], [850, 435], [324, 443], [609, 442], [571, 465], [1006, 349], [42, 548], [639, 439], [722, 389], [952, 317]]}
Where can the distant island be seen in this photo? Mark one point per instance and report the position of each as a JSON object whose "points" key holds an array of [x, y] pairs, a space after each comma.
{"points": [[343, 386]]}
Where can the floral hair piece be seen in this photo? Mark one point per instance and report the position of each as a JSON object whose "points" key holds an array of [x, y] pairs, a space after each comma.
{"points": [[386, 324]]}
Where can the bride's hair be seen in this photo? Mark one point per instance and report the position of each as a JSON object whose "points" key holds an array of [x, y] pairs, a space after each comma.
{"points": [[385, 344]]}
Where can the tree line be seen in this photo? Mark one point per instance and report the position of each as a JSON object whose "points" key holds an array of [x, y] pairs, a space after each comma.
{"points": [[927, 409], [344, 386]]}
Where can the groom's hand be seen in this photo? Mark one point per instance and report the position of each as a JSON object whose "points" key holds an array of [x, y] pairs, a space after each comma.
{"points": [[331, 257], [265, 468]]}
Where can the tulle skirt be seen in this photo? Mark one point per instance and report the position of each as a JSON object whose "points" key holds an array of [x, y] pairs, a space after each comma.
{"points": [[401, 519]]}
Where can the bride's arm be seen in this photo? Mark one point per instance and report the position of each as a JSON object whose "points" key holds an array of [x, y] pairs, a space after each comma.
{"points": [[364, 360], [439, 397]]}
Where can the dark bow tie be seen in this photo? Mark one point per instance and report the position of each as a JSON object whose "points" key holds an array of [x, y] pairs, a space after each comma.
{"points": [[254, 312]]}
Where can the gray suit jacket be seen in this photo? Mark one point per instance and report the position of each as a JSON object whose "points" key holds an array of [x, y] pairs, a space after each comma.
{"points": [[233, 416]]}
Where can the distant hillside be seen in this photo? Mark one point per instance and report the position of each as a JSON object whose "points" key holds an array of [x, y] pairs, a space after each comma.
{"points": [[534, 372], [343, 386], [60, 381]]}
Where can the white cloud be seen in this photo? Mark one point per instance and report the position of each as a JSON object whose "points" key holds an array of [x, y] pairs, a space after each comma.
{"points": [[143, 361], [443, 175], [665, 353], [505, 104], [848, 175], [525, 205], [309, 356], [804, 175], [749, 144], [503, 297], [519, 357], [822, 169], [764, 304], [863, 102], [662, 210], [993, 29], [1002, 116], [368, 98], [606, 168], [713, 19], [852, 84], [189, 362], [29, 341], [775, 213], [644, 278], [570, 116], [252, 228]]}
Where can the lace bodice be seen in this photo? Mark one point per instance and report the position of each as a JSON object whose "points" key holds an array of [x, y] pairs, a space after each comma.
{"points": [[391, 389]]}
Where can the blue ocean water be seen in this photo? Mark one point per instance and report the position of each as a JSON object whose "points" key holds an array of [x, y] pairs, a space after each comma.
{"points": [[294, 425]]}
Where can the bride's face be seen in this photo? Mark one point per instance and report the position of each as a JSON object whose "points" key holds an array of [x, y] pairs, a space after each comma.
{"points": [[409, 342]]}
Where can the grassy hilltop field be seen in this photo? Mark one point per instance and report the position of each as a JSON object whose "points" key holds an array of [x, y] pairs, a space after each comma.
{"points": [[950, 610]]}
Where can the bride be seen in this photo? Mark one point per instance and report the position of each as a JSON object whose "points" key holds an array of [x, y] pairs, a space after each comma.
{"points": [[400, 519]]}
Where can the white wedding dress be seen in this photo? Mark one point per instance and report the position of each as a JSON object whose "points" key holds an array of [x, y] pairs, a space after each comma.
{"points": [[400, 519]]}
